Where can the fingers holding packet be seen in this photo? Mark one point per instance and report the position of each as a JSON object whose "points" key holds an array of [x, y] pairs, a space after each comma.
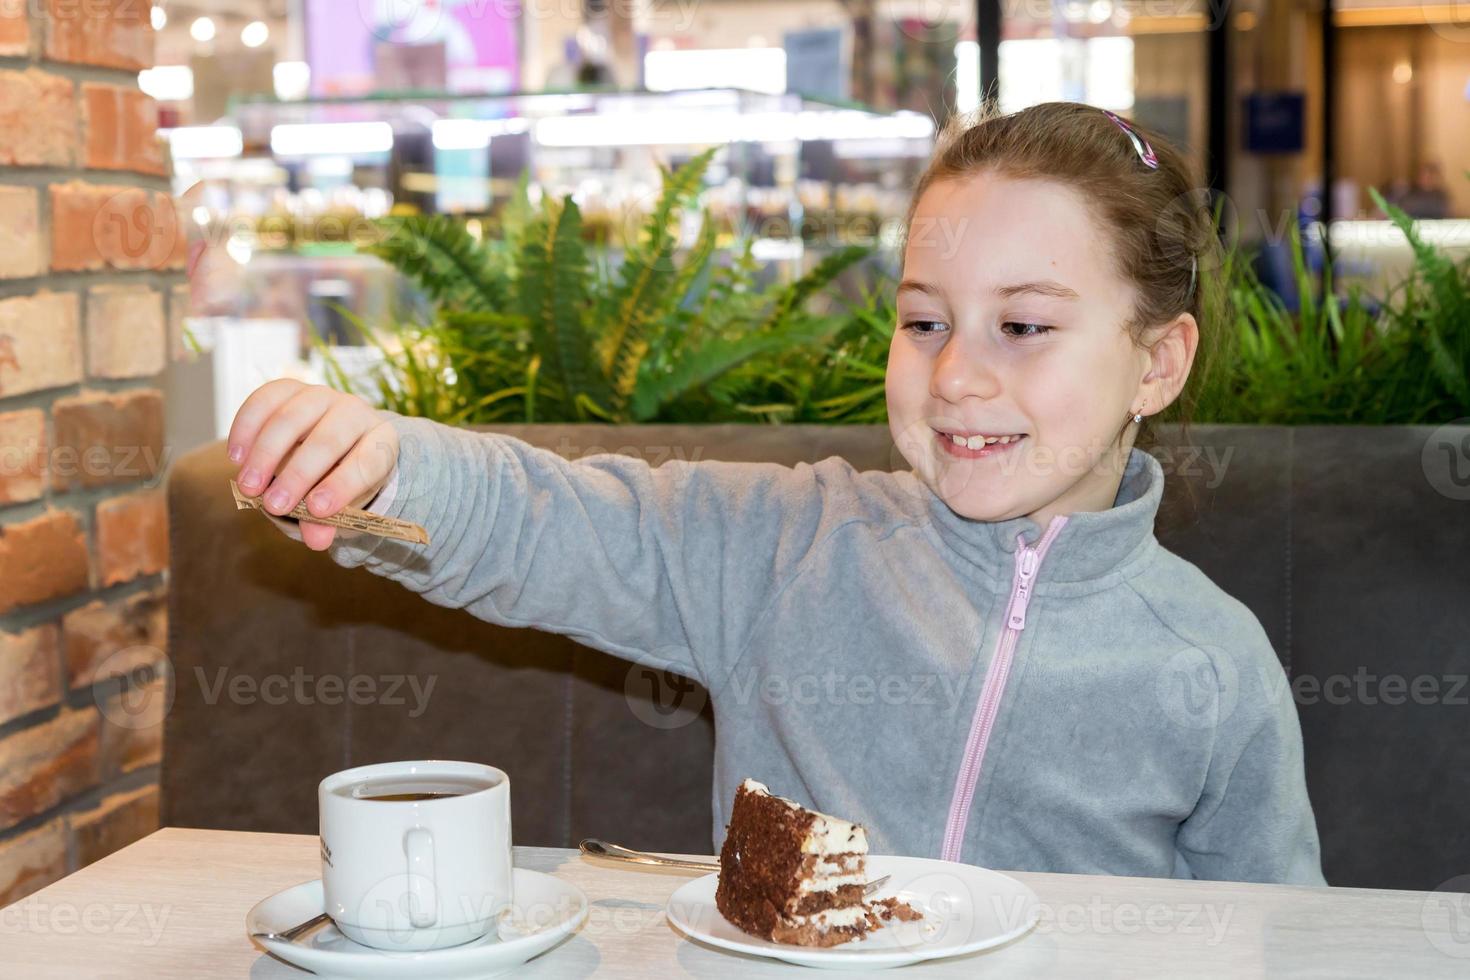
{"points": [[318, 455]]}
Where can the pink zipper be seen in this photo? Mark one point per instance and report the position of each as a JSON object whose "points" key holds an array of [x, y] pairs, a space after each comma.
{"points": [[1028, 560]]}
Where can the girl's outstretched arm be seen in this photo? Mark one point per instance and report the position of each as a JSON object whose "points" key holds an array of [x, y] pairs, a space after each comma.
{"points": [[670, 566]]}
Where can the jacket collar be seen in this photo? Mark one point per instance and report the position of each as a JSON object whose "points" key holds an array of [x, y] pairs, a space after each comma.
{"points": [[1090, 544]]}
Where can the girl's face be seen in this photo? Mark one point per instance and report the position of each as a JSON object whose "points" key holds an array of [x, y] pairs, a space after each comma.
{"points": [[1011, 324]]}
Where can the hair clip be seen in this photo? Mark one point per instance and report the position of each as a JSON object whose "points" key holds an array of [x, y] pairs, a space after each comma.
{"points": [[1145, 151], [1193, 268]]}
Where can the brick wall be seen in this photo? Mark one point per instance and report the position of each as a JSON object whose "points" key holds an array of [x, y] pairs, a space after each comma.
{"points": [[91, 260]]}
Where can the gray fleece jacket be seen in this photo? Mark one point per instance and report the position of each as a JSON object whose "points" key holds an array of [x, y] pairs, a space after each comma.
{"points": [[1070, 699]]}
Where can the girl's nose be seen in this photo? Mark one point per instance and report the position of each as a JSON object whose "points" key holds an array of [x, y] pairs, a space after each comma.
{"points": [[959, 372]]}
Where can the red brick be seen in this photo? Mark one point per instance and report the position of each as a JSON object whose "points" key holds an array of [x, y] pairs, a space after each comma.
{"points": [[132, 537], [113, 824], [29, 673], [48, 764], [31, 861], [132, 725], [38, 119], [122, 129], [40, 343], [103, 439], [22, 455], [22, 246], [110, 639], [96, 226], [126, 332], [75, 209], [41, 559], [107, 33], [15, 34]]}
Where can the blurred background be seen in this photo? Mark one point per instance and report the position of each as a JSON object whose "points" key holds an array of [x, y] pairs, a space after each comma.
{"points": [[299, 123]]}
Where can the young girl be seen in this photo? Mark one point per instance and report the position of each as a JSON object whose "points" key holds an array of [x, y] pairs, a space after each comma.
{"points": [[987, 659]]}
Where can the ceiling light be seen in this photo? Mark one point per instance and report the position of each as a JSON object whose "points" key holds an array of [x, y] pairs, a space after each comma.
{"points": [[292, 80], [255, 34], [345, 139], [204, 142], [167, 83]]}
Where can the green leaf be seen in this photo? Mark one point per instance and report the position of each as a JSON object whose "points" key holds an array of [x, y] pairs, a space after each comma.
{"points": [[721, 354], [444, 260], [551, 296], [821, 275], [647, 286], [1449, 368]]}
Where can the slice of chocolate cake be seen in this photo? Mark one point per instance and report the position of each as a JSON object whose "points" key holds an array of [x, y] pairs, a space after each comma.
{"points": [[793, 875]]}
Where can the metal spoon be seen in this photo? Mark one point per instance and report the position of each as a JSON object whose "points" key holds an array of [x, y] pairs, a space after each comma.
{"points": [[295, 932], [601, 848]]}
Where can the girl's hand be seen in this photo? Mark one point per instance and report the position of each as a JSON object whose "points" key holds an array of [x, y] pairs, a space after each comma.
{"points": [[294, 441]]}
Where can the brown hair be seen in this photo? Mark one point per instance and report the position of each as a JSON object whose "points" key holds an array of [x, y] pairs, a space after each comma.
{"points": [[1156, 219]]}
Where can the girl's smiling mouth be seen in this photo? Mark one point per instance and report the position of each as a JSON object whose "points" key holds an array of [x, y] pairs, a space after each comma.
{"points": [[978, 445]]}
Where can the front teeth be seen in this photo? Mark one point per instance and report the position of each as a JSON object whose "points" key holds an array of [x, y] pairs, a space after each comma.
{"points": [[975, 442]]}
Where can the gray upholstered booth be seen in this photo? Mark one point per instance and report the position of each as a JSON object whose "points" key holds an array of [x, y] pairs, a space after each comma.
{"points": [[1341, 539]]}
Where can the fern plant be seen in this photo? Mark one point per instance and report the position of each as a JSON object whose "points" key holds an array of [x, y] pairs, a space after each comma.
{"points": [[1432, 310], [839, 383], [529, 326], [1308, 366], [1343, 357]]}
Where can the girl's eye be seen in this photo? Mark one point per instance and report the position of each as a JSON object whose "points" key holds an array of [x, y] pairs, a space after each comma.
{"points": [[918, 327], [1025, 329]]}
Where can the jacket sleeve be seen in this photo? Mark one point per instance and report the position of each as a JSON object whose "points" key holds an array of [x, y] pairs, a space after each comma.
{"points": [[670, 566], [1254, 820]]}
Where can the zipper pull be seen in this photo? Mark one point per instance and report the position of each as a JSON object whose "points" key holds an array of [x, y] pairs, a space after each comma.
{"points": [[1023, 590]]}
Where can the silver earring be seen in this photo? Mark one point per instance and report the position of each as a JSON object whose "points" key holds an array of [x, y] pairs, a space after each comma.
{"points": [[1138, 417]]}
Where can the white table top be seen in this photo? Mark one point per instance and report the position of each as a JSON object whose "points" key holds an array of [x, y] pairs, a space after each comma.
{"points": [[172, 907]]}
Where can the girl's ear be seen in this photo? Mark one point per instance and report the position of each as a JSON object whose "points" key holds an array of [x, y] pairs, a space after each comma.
{"points": [[1171, 355]]}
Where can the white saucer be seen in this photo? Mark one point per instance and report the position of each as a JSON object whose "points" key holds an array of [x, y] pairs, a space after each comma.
{"points": [[965, 909], [544, 911]]}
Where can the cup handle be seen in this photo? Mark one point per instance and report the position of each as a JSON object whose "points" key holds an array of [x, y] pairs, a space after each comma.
{"points": [[418, 844]]}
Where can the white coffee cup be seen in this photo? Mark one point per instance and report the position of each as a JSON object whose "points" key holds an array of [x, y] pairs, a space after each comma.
{"points": [[420, 873]]}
